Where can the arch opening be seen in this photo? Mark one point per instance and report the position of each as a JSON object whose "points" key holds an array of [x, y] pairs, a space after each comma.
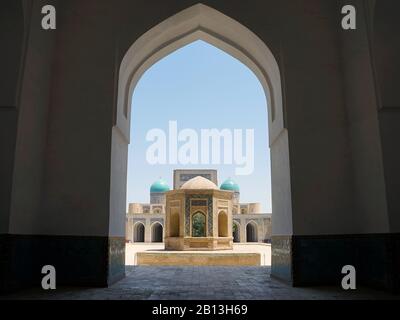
{"points": [[199, 224], [222, 224], [174, 225], [201, 22], [157, 232], [251, 232], [138, 232]]}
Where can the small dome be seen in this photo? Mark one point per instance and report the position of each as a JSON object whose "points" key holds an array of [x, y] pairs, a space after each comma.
{"points": [[199, 183], [159, 186], [230, 185]]}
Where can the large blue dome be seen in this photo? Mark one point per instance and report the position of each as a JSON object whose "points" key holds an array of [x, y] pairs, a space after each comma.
{"points": [[159, 186], [230, 185]]}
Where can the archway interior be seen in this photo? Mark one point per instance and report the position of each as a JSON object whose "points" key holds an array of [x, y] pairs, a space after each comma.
{"points": [[200, 87], [157, 233], [215, 93], [139, 233], [251, 232], [199, 224], [200, 22], [222, 224]]}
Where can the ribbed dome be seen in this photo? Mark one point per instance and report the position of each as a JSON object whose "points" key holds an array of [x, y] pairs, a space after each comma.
{"points": [[230, 185], [199, 183], [159, 186]]}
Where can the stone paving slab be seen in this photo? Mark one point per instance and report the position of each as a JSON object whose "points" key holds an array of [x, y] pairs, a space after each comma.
{"points": [[200, 283]]}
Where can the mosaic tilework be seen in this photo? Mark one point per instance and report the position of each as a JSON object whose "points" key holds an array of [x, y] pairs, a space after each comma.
{"points": [[209, 209], [318, 260], [116, 259]]}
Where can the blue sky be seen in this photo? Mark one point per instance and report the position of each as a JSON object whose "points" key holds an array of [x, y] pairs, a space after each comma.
{"points": [[200, 87]]}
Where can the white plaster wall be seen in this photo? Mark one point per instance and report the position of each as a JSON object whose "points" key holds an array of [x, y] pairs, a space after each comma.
{"points": [[11, 18], [76, 184], [119, 154], [316, 117], [281, 192], [36, 75], [386, 51], [361, 102]]}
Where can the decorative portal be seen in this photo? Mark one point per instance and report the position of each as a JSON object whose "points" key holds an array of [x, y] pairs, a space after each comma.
{"points": [[204, 201]]}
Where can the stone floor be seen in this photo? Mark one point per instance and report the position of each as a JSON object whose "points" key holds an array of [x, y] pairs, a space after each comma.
{"points": [[212, 283]]}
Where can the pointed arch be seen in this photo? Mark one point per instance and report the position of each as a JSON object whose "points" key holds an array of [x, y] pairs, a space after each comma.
{"points": [[199, 224], [139, 231], [157, 232], [223, 230], [200, 22], [252, 231]]}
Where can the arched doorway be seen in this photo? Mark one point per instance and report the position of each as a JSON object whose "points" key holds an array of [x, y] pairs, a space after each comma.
{"points": [[236, 232], [200, 22], [157, 232], [251, 232], [199, 224], [138, 232], [222, 224]]}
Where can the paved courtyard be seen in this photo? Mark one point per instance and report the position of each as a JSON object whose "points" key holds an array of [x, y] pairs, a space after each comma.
{"points": [[213, 283]]}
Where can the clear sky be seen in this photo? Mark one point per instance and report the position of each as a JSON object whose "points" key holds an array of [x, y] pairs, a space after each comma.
{"points": [[200, 87]]}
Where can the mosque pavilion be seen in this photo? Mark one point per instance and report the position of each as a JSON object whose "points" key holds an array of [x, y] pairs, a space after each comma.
{"points": [[221, 219]]}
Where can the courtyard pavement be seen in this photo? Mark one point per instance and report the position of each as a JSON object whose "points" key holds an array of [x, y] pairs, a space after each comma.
{"points": [[202, 283]]}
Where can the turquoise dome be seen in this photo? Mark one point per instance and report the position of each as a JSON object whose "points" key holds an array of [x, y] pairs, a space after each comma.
{"points": [[230, 185], [159, 186]]}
